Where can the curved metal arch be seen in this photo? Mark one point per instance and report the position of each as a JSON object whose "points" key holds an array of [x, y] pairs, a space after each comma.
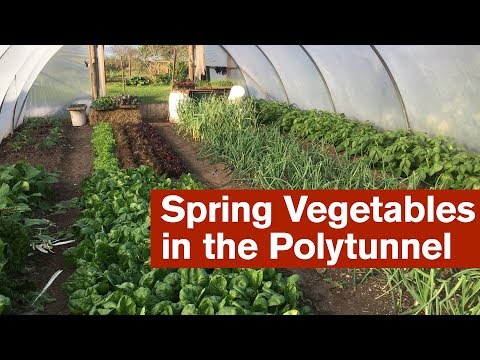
{"points": [[16, 56], [19, 84], [395, 86], [36, 69], [3, 53], [24, 76], [239, 67], [260, 86], [321, 76], [243, 71], [276, 72], [1, 103]]}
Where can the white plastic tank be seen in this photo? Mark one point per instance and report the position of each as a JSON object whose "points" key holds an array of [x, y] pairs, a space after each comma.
{"points": [[237, 92], [173, 100], [79, 118], [78, 114]]}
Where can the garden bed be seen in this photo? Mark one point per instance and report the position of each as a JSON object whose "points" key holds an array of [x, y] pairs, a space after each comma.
{"points": [[70, 157], [264, 144], [325, 296], [117, 116], [140, 144], [33, 142], [333, 291], [327, 292], [113, 273]]}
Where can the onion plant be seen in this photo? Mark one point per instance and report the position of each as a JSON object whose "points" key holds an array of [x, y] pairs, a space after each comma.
{"points": [[268, 158]]}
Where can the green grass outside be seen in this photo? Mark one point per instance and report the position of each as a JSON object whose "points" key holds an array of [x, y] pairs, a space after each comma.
{"points": [[148, 94]]}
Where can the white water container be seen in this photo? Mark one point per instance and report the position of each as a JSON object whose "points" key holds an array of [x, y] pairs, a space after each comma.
{"points": [[78, 114], [237, 93], [173, 100]]}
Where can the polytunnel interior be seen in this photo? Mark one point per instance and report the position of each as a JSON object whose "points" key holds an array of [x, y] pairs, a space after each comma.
{"points": [[85, 185], [38, 80], [431, 89]]}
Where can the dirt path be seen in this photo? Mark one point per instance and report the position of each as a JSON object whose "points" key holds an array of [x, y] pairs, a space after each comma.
{"points": [[75, 164], [330, 291]]}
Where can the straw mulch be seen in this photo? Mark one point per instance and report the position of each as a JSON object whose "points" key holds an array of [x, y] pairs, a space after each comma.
{"points": [[118, 116]]}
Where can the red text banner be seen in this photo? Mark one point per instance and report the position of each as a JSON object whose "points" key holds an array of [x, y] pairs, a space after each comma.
{"points": [[314, 228]]}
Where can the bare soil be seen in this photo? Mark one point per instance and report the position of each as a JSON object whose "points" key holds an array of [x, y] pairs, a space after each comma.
{"points": [[123, 149]]}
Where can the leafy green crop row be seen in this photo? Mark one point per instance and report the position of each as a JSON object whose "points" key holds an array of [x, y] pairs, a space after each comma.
{"points": [[24, 135], [104, 103], [114, 276], [432, 161], [23, 188], [213, 83], [103, 143], [113, 102]]}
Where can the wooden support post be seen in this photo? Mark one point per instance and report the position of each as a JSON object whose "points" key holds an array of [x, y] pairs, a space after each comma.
{"points": [[207, 73], [91, 65], [230, 65], [191, 63], [95, 72], [129, 67], [123, 75], [101, 70], [174, 64]]}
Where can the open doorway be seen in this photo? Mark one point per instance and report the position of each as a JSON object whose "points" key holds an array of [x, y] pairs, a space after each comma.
{"points": [[151, 72]]}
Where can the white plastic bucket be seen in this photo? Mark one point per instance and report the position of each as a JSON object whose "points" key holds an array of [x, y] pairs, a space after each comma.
{"points": [[79, 117], [173, 100]]}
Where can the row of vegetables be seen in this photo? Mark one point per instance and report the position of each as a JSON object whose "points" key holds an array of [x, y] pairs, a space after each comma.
{"points": [[268, 158], [24, 189], [141, 144], [276, 146], [113, 273], [432, 161], [272, 145]]}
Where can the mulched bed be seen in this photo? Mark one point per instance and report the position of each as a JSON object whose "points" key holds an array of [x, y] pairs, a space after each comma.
{"points": [[141, 144], [118, 116]]}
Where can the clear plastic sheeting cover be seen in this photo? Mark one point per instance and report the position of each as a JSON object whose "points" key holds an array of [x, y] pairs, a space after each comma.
{"points": [[255, 90], [25, 79], [429, 88], [254, 64], [65, 79], [440, 86], [359, 83], [3, 48], [21, 66], [303, 83], [216, 56], [16, 63]]}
